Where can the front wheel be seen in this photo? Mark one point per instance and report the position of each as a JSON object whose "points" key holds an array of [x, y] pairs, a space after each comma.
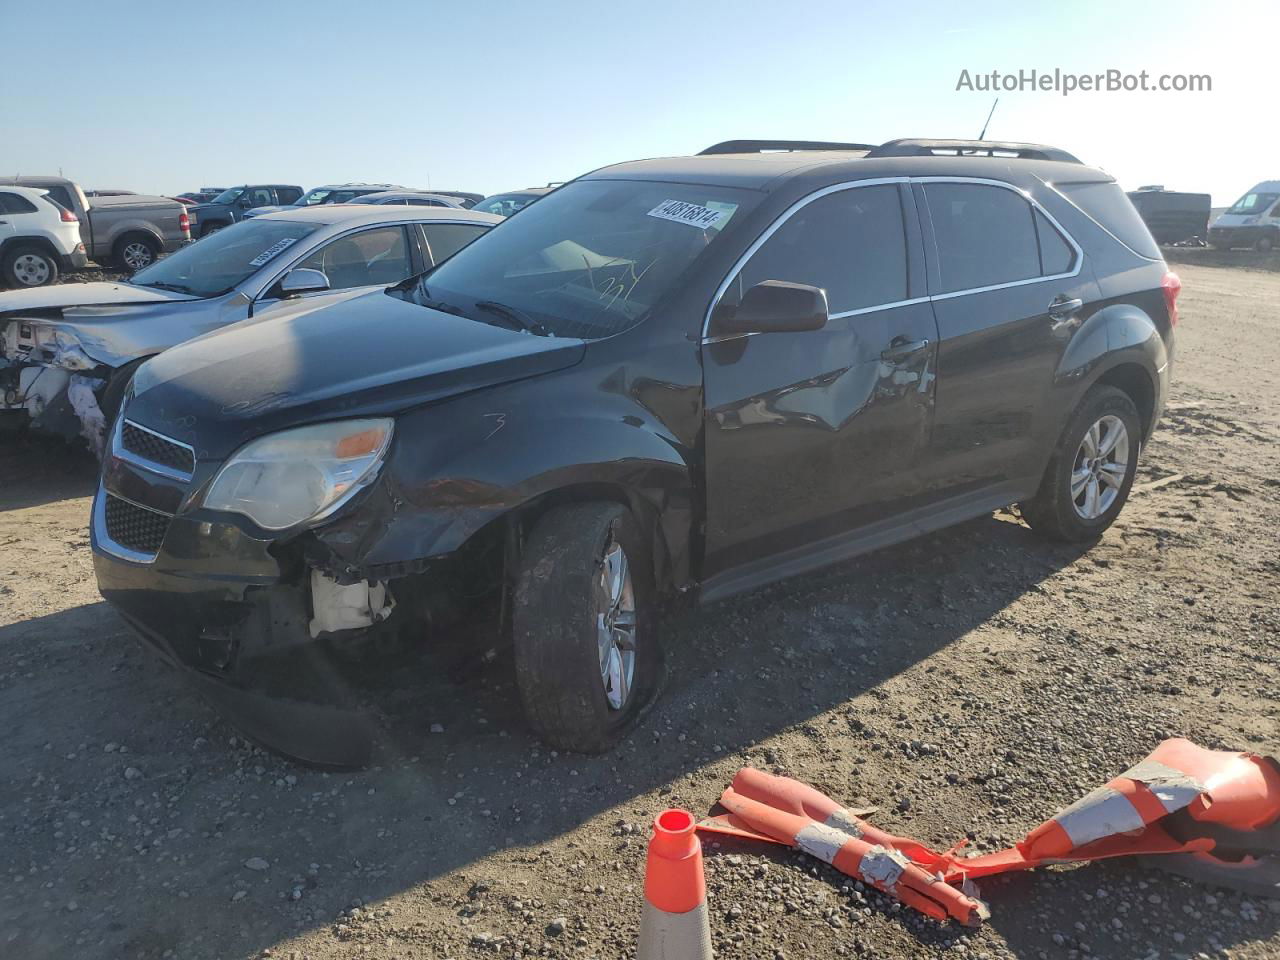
{"points": [[586, 651], [1088, 478], [1264, 245]]}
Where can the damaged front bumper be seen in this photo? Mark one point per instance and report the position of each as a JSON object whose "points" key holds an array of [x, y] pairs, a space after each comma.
{"points": [[237, 615], [46, 377]]}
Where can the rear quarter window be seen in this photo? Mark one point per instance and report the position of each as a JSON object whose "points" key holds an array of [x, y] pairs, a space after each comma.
{"points": [[1111, 207], [13, 203]]}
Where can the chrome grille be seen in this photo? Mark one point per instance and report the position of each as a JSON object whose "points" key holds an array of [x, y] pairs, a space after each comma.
{"points": [[134, 527], [153, 447]]}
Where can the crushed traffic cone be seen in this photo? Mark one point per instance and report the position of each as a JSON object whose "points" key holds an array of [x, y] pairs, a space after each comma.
{"points": [[674, 925], [1208, 790], [885, 868]]}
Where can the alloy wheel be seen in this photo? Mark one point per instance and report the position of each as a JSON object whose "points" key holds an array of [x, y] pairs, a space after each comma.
{"points": [[1100, 467], [31, 270], [136, 255], [616, 626]]}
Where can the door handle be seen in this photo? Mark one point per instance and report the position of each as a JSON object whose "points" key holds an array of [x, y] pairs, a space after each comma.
{"points": [[1062, 309], [900, 348]]}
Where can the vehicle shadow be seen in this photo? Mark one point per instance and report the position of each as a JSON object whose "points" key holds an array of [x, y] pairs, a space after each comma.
{"points": [[174, 822], [36, 470]]}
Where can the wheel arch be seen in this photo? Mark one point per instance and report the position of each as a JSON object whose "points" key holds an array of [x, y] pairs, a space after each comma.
{"points": [[28, 240]]}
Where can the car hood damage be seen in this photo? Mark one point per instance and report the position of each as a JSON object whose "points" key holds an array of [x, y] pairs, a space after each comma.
{"points": [[370, 354]]}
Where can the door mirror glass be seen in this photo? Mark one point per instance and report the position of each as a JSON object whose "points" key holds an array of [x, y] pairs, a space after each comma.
{"points": [[302, 280], [773, 306]]}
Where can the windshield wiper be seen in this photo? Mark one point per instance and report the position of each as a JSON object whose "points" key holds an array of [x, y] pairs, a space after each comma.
{"points": [[165, 285], [521, 319]]}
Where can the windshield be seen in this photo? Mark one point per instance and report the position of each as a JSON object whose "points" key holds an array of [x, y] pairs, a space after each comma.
{"points": [[1254, 202], [229, 196], [222, 260], [589, 260]]}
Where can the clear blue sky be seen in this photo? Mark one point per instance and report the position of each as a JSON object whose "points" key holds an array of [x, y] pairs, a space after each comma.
{"points": [[487, 96]]}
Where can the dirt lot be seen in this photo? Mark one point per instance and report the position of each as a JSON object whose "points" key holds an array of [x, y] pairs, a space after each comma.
{"points": [[970, 683]]}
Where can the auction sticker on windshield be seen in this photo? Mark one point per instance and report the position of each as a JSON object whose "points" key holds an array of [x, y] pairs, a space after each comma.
{"points": [[704, 218], [272, 251]]}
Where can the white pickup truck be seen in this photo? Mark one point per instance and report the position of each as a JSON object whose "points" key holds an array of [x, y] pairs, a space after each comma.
{"points": [[130, 231]]}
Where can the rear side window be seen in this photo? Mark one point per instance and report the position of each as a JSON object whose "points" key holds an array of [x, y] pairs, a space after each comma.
{"points": [[1111, 207], [986, 236], [63, 196], [288, 194], [852, 244], [1056, 255], [12, 203]]}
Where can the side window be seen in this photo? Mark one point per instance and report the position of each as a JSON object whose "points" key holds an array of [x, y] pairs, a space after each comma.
{"points": [[260, 197], [986, 235], [378, 256], [446, 239], [12, 203], [851, 244], [63, 196], [287, 195], [1056, 255]]}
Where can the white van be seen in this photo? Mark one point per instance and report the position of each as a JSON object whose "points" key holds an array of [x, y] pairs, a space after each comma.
{"points": [[1252, 221]]}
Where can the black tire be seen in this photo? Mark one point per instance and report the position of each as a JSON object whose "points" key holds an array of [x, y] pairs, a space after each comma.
{"points": [[209, 228], [135, 251], [26, 266], [554, 626], [1264, 245], [1052, 512]]}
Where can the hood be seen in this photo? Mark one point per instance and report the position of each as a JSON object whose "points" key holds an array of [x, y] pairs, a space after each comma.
{"points": [[1236, 220], [58, 298], [364, 355]]}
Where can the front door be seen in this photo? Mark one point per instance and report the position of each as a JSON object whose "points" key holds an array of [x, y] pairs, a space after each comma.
{"points": [[809, 435]]}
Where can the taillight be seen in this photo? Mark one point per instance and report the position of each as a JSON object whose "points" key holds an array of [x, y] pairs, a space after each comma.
{"points": [[67, 216], [1171, 285], [184, 223]]}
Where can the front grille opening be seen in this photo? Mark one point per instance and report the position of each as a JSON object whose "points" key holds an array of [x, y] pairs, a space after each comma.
{"points": [[134, 527], [157, 449]]}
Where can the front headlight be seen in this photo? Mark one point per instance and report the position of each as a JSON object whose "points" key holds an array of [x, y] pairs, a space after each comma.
{"points": [[301, 475]]}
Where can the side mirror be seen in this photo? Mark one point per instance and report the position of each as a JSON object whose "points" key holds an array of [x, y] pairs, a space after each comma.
{"points": [[303, 280], [773, 306]]}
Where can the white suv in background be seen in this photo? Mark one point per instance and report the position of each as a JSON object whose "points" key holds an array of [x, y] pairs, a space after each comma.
{"points": [[38, 238]]}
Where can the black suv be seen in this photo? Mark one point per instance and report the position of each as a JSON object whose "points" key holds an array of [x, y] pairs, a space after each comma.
{"points": [[687, 376]]}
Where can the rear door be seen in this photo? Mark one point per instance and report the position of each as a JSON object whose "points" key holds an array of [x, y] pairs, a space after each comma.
{"points": [[812, 434], [1008, 294], [9, 212]]}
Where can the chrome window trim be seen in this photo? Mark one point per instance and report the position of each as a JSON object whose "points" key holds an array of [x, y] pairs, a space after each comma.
{"points": [[259, 294], [877, 181], [1088, 216], [100, 529]]}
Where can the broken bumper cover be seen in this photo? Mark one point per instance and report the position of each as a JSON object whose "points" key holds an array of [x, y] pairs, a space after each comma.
{"points": [[237, 638]]}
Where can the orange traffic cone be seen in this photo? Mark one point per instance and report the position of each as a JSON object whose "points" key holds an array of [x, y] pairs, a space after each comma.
{"points": [[674, 925]]}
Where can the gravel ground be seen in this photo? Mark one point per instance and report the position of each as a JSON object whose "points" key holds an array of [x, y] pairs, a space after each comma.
{"points": [[969, 684]]}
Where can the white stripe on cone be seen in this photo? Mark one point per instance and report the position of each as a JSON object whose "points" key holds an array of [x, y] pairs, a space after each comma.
{"points": [[674, 936]]}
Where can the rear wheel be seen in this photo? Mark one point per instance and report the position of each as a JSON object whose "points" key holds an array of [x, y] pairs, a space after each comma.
{"points": [[1088, 479], [135, 251], [1264, 244], [586, 653], [211, 228], [29, 266]]}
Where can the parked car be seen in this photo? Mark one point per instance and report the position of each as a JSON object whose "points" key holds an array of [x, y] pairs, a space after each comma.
{"points": [[1252, 221], [38, 238], [231, 205], [203, 195], [409, 198], [668, 378], [129, 232], [468, 200], [67, 352], [1172, 217], [505, 204], [332, 193]]}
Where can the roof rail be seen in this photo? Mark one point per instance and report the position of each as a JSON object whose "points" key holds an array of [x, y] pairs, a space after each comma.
{"points": [[760, 146], [971, 148]]}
